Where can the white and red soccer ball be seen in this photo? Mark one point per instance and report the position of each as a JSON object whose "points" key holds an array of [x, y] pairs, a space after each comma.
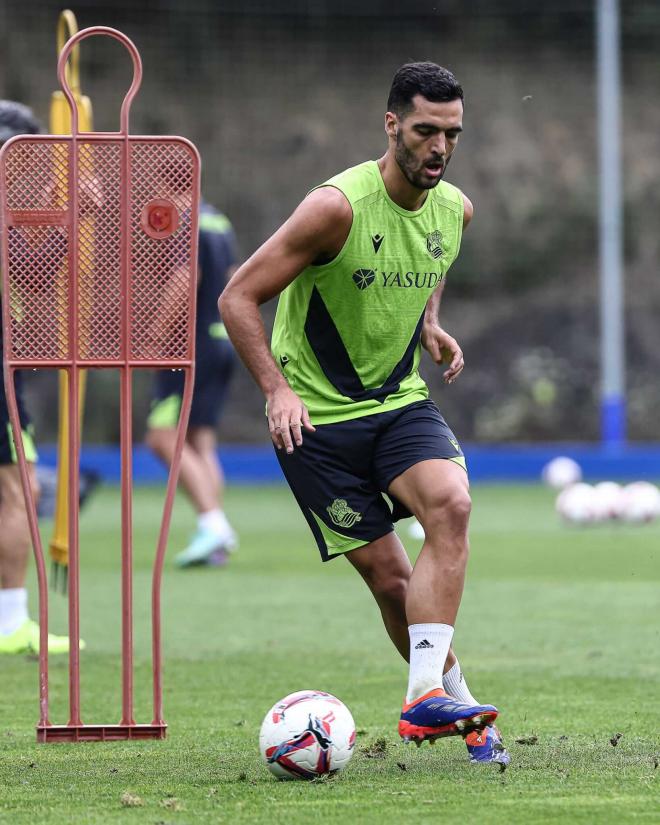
{"points": [[306, 735]]}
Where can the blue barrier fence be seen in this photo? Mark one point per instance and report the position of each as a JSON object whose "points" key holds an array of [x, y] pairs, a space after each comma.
{"points": [[256, 464]]}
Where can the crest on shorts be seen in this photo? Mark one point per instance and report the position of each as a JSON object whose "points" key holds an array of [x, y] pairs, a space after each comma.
{"points": [[341, 514], [434, 244]]}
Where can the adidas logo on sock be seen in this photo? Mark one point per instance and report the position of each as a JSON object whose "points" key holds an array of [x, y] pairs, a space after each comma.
{"points": [[424, 643]]}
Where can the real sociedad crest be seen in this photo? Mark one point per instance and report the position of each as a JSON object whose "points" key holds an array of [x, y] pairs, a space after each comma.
{"points": [[341, 514], [434, 244]]}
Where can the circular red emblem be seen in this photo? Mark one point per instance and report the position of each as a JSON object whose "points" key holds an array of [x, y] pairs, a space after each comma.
{"points": [[160, 218]]}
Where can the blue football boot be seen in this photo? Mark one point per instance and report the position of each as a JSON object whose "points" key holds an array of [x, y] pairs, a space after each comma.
{"points": [[437, 714], [485, 745]]}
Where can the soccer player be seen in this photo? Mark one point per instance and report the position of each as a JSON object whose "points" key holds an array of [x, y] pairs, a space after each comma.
{"points": [[18, 633], [361, 266], [201, 473]]}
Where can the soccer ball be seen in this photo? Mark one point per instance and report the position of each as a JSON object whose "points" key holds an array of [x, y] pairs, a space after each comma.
{"points": [[641, 502], [561, 471], [609, 499], [416, 531], [577, 504], [307, 734]]}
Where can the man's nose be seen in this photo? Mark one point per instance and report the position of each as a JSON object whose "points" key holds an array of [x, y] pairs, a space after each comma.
{"points": [[440, 145]]}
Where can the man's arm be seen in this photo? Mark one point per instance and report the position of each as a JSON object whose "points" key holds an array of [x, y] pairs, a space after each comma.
{"points": [[315, 233], [440, 345]]}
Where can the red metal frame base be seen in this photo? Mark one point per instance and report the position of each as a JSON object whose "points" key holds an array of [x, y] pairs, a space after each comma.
{"points": [[99, 733]]}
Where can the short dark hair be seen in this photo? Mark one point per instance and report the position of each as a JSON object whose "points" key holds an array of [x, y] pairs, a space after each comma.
{"points": [[16, 119], [426, 79]]}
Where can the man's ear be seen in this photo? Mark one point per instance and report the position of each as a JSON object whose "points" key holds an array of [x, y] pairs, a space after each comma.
{"points": [[391, 125]]}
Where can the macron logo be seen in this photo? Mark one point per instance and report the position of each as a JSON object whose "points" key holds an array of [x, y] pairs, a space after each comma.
{"points": [[423, 644]]}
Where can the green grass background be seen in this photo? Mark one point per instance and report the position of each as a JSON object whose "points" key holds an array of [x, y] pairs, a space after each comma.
{"points": [[559, 627]]}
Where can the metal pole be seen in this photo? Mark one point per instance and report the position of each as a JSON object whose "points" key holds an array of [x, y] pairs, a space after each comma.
{"points": [[612, 342]]}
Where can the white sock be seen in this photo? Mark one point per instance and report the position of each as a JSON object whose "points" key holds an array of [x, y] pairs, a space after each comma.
{"points": [[429, 646], [214, 520], [454, 683], [13, 609]]}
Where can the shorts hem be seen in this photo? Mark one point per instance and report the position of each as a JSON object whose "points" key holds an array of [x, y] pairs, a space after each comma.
{"points": [[9, 453], [358, 543], [401, 471], [165, 412]]}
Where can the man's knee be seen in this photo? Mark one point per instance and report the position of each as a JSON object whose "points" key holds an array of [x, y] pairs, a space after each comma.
{"points": [[389, 584], [392, 588], [13, 511], [385, 567], [448, 511]]}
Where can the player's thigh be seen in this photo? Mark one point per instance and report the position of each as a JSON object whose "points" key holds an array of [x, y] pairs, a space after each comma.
{"points": [[432, 488], [419, 460], [330, 477]]}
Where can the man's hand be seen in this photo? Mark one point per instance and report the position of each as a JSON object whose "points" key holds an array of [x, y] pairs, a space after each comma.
{"points": [[443, 349], [287, 415]]}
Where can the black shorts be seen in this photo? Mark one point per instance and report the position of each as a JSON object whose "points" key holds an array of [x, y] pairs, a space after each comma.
{"points": [[7, 449], [214, 366], [342, 470]]}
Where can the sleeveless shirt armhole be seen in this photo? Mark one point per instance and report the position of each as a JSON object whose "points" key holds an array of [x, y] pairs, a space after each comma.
{"points": [[460, 214], [461, 218], [340, 254]]}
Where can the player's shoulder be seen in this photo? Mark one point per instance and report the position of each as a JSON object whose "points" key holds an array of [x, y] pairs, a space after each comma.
{"points": [[325, 206], [356, 182], [321, 221], [450, 197], [212, 220]]}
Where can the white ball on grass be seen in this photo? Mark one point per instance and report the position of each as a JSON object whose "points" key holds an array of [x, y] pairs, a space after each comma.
{"points": [[577, 504], [609, 499], [307, 734], [641, 502]]}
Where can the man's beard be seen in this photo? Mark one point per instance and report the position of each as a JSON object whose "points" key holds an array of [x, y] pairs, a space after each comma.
{"points": [[411, 168]]}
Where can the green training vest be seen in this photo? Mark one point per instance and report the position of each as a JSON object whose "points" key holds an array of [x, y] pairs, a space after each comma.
{"points": [[347, 333]]}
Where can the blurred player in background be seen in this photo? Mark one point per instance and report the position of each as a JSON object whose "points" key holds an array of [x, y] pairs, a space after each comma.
{"points": [[18, 633], [361, 266], [201, 473]]}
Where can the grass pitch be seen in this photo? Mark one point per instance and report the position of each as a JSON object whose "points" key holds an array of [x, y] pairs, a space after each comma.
{"points": [[559, 627]]}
